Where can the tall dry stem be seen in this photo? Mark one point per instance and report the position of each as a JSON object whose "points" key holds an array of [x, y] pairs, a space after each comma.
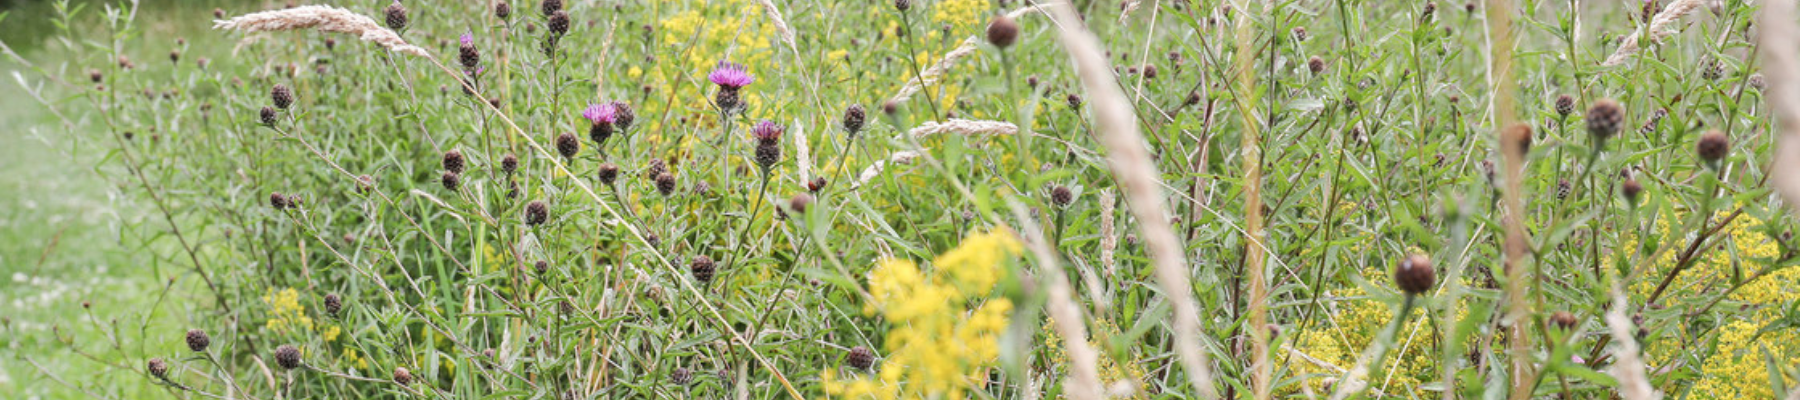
{"points": [[1500, 53], [1255, 262], [1780, 62], [1138, 176]]}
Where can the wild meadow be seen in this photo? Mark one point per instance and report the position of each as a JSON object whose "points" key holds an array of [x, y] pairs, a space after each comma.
{"points": [[900, 199]]}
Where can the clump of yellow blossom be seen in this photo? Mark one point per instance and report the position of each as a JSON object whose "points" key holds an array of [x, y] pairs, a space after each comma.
{"points": [[286, 314], [961, 15], [1111, 370], [1359, 320], [946, 328]]}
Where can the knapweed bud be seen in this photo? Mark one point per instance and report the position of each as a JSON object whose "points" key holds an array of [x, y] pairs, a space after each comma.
{"points": [[608, 173], [1756, 81], [281, 96], [1061, 196], [453, 161], [536, 213], [1712, 147], [1563, 187], [1563, 320], [174, 56], [567, 145], [541, 267], [558, 23], [1415, 274], [854, 117], [860, 358], [681, 376], [702, 267], [266, 116], [402, 376], [816, 184], [1518, 135], [1315, 64], [503, 10], [396, 16], [197, 340], [466, 52], [623, 115], [902, 5], [799, 202], [768, 143], [1149, 71], [550, 6], [451, 180], [509, 163], [278, 201], [1074, 101], [1002, 32], [1631, 189], [95, 76], [158, 368], [333, 304], [665, 183], [287, 356], [1565, 104], [1299, 35], [1603, 118], [890, 107]]}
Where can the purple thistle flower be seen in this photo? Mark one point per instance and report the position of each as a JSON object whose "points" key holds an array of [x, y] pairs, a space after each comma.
{"points": [[468, 39], [600, 113], [730, 75], [767, 131]]}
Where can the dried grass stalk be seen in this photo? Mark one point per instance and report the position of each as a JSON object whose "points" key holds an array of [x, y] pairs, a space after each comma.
{"points": [[964, 127], [968, 46], [1065, 314], [321, 18], [1138, 176], [781, 25], [874, 170], [1629, 369], [1779, 63], [1109, 236], [1660, 27]]}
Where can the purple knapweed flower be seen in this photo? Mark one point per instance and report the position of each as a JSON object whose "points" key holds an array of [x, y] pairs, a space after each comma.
{"points": [[468, 39], [730, 75], [600, 113]]}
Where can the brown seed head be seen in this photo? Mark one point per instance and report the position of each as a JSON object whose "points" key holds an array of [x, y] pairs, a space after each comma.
{"points": [[1415, 275], [1002, 31]]}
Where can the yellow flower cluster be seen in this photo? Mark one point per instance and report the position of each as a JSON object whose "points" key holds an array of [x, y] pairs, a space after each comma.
{"points": [[959, 14], [1111, 370], [1359, 319], [286, 312], [946, 329], [1736, 367], [715, 31]]}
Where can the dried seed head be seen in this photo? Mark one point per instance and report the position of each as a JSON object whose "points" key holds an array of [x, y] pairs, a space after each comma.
{"points": [[1149, 71], [1565, 104], [854, 116], [1415, 274], [702, 268], [287, 356], [333, 304], [609, 173], [197, 340], [799, 202], [1603, 118], [1563, 320], [158, 368], [396, 16], [453, 161], [567, 145], [1315, 64], [282, 96], [1631, 189], [1563, 187], [402, 376], [860, 358], [1061, 196], [550, 6], [541, 267], [1713, 146], [1002, 31], [502, 10], [665, 183], [681, 376], [451, 180], [509, 163], [536, 212]]}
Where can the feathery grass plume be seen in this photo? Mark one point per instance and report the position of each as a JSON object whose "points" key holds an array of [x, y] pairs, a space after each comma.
{"points": [[781, 25], [963, 127], [1629, 368], [322, 18], [1135, 172], [803, 155], [968, 46], [1109, 238], [874, 170], [1660, 27], [1779, 63]]}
